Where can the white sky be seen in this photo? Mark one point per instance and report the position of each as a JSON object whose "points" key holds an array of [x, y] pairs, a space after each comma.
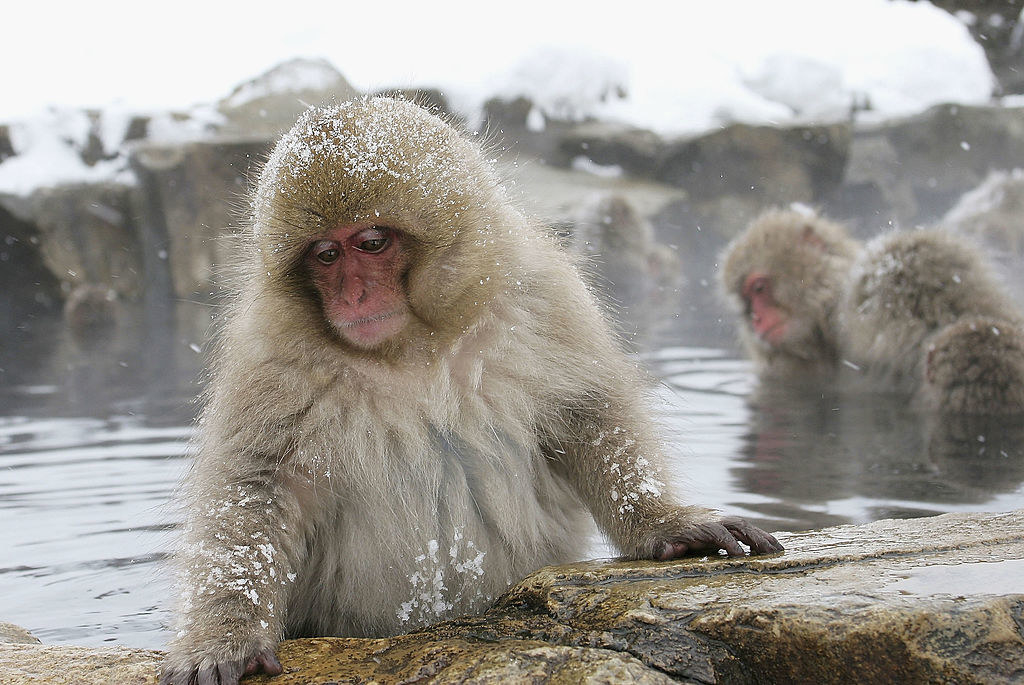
{"points": [[145, 56]]}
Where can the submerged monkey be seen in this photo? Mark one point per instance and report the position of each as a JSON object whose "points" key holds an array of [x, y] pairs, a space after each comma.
{"points": [[415, 402], [785, 276], [915, 312]]}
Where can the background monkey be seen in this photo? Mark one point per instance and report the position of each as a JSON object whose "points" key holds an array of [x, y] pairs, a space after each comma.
{"points": [[415, 402], [785, 275], [917, 312], [976, 367], [902, 290]]}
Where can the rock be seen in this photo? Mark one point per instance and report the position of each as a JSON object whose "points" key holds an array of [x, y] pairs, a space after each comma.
{"points": [[193, 195], [915, 169], [636, 151], [6, 148], [519, 125], [13, 634], [420, 657], [774, 165], [269, 104], [925, 600], [920, 600], [30, 288], [22, 664], [555, 194]]}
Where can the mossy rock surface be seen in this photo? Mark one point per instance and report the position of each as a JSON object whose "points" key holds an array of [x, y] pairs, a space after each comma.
{"points": [[924, 600]]}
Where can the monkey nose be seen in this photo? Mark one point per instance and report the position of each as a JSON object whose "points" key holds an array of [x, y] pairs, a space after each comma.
{"points": [[352, 291]]}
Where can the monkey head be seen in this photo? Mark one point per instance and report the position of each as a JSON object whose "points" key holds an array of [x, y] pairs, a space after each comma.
{"points": [[379, 219], [784, 275]]}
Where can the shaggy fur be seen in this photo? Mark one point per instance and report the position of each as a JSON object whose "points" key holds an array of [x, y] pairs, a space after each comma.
{"points": [[339, 491], [808, 257], [906, 287], [976, 366]]}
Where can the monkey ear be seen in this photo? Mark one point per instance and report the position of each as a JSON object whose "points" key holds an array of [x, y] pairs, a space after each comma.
{"points": [[809, 237]]}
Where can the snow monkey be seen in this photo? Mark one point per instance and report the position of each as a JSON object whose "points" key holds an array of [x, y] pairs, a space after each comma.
{"points": [[904, 288], [976, 367], [902, 312], [785, 274], [415, 403]]}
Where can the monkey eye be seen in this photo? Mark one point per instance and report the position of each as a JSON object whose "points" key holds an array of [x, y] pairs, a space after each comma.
{"points": [[326, 251], [756, 286], [376, 240]]}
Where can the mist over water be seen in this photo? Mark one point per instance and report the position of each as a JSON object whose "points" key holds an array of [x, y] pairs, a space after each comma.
{"points": [[93, 441]]}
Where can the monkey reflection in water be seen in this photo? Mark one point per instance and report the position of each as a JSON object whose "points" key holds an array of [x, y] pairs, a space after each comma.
{"points": [[414, 403]]}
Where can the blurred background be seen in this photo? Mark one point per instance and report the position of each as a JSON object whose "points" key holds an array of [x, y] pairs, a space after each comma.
{"points": [[645, 138]]}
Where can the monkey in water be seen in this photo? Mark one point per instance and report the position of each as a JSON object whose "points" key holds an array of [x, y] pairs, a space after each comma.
{"points": [[784, 275], [976, 367], [415, 402], [900, 313], [903, 289]]}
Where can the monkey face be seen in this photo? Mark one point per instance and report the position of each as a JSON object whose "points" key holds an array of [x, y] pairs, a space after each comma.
{"points": [[357, 272], [766, 317]]}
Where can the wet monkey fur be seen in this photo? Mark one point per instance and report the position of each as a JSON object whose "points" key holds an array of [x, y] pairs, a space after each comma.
{"points": [[914, 312], [415, 402], [903, 290], [784, 276]]}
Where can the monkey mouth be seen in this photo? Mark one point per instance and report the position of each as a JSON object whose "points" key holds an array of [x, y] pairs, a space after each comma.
{"points": [[772, 334], [365, 320], [368, 332]]}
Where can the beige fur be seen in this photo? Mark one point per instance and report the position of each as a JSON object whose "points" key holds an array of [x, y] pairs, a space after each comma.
{"points": [[809, 257], [338, 491], [904, 288], [976, 367]]}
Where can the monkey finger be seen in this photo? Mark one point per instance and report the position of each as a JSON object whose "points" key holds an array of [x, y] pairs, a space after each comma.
{"points": [[759, 541], [670, 550], [706, 536], [225, 673], [264, 660], [721, 538]]}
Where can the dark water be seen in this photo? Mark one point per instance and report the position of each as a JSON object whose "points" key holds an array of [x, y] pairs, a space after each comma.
{"points": [[92, 442]]}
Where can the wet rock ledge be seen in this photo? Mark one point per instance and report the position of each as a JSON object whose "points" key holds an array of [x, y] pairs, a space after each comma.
{"points": [[938, 600]]}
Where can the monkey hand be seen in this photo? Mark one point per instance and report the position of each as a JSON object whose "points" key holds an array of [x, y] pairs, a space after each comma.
{"points": [[227, 672], [679, 534]]}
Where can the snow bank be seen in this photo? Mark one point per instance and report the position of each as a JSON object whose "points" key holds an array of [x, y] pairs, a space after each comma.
{"points": [[48, 151], [762, 63], [670, 67]]}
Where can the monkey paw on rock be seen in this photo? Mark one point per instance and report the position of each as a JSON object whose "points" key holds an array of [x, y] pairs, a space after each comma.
{"points": [[711, 536], [221, 673]]}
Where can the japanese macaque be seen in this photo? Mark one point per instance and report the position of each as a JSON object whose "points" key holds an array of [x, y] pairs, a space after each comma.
{"points": [[785, 276], [976, 367], [623, 260], [902, 290], [415, 402]]}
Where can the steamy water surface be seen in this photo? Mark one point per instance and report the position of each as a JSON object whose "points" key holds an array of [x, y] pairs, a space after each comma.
{"points": [[92, 443]]}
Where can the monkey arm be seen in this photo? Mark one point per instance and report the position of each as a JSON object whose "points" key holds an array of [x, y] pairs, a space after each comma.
{"points": [[237, 559], [614, 464]]}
